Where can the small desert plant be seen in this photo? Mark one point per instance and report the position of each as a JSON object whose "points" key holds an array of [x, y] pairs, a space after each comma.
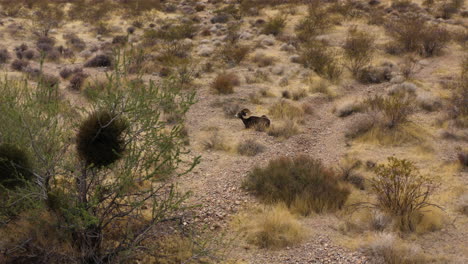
{"points": [[250, 148], [285, 130], [100, 138], [348, 108], [15, 166], [274, 25], [285, 110], [395, 108], [99, 61], [231, 109], [463, 158], [4, 56], [216, 142], [302, 183], [388, 249], [362, 123], [19, 65], [434, 39], [172, 32], [401, 191], [75, 42], [358, 49], [224, 83], [322, 59], [234, 53], [65, 73], [272, 227], [316, 22], [77, 81], [263, 60]]}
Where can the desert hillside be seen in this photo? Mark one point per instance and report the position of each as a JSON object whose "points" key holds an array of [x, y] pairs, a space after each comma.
{"points": [[233, 131]]}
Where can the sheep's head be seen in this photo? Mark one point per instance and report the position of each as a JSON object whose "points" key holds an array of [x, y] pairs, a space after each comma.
{"points": [[243, 113]]}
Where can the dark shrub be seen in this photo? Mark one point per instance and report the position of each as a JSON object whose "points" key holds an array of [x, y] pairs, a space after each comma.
{"points": [[67, 72], [75, 42], [463, 159], [19, 50], [45, 44], [372, 74], [301, 182], [14, 166], [274, 25], [433, 40], [77, 81], [19, 65], [29, 54], [316, 22], [4, 56], [100, 138], [250, 148], [99, 61], [131, 30], [120, 40]]}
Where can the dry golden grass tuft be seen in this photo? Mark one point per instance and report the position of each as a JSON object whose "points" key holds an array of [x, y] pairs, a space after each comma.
{"points": [[386, 248], [285, 110], [284, 130], [271, 227]]}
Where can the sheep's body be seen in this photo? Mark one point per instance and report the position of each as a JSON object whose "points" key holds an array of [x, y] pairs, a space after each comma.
{"points": [[253, 121]]}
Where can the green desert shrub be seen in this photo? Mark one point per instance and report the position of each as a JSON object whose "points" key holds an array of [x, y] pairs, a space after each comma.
{"points": [[100, 138], [302, 183], [15, 166], [316, 22], [274, 25], [358, 50], [317, 56]]}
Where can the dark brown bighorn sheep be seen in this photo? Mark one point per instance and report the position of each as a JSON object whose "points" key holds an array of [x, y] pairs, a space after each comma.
{"points": [[253, 121]]}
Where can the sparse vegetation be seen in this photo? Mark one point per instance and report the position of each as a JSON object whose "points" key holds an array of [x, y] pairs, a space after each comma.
{"points": [[250, 148], [272, 227], [359, 48], [322, 59], [285, 130], [401, 191], [275, 25], [286, 110], [224, 83], [302, 183]]}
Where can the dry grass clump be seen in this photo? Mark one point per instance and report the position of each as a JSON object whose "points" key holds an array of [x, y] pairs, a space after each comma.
{"points": [[285, 130], [388, 249], [302, 183], [263, 60], [322, 59], [224, 83], [274, 25], [358, 49], [458, 108], [250, 148], [348, 108], [171, 32], [316, 22], [362, 123], [77, 81], [272, 227], [234, 53], [216, 142], [401, 191], [285, 110]]}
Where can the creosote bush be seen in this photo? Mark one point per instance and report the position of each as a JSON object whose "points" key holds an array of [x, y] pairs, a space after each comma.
{"points": [[15, 166], [395, 108], [317, 56], [302, 183], [401, 191], [100, 138], [234, 53], [316, 22], [358, 49], [99, 61], [274, 25]]}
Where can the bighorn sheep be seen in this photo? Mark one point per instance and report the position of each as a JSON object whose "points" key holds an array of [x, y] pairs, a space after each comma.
{"points": [[253, 121]]}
